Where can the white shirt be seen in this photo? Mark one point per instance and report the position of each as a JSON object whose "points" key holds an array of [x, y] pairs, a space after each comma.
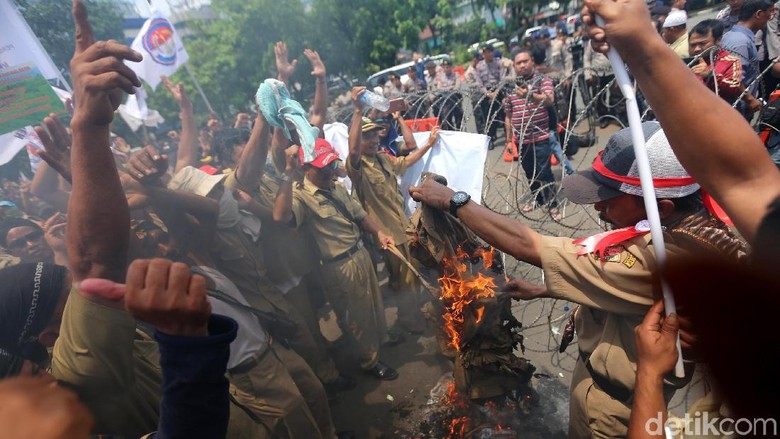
{"points": [[251, 338]]}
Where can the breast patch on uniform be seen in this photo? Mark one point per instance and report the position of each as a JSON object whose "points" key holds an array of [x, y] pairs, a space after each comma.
{"points": [[630, 259], [612, 253]]}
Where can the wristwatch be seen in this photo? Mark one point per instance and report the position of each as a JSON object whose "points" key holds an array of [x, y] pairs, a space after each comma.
{"points": [[285, 177], [458, 199]]}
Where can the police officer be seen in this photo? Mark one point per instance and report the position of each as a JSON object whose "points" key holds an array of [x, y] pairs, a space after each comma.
{"points": [[335, 221], [609, 275]]}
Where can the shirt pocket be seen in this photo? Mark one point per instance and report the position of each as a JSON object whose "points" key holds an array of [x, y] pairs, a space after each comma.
{"points": [[327, 211]]}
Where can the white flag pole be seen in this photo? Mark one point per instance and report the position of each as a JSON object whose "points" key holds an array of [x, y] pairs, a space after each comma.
{"points": [[646, 179], [189, 71], [200, 90]]}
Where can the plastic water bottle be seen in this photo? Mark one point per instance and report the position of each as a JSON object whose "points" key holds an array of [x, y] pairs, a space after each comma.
{"points": [[374, 100]]}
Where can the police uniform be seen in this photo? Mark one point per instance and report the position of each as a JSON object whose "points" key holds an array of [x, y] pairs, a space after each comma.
{"points": [[347, 272], [615, 290], [291, 260], [375, 185]]}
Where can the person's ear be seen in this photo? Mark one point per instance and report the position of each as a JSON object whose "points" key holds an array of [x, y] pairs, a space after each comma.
{"points": [[665, 208]]}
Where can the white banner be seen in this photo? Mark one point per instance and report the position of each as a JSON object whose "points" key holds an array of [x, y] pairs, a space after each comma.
{"points": [[338, 136], [14, 142], [18, 44], [161, 47], [459, 156]]}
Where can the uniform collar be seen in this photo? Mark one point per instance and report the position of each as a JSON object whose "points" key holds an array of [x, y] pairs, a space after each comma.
{"points": [[372, 161], [310, 187]]}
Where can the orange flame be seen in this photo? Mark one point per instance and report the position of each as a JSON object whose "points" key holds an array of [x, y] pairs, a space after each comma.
{"points": [[486, 255], [459, 426], [459, 289]]}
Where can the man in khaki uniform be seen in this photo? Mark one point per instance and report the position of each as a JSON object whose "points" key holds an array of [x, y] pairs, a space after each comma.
{"points": [[335, 221], [288, 258], [374, 176], [293, 266], [611, 274]]}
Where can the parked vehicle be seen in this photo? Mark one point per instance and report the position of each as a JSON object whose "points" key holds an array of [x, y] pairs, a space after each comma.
{"points": [[400, 70]]}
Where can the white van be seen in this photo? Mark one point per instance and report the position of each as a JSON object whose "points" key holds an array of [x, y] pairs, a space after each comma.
{"points": [[400, 70]]}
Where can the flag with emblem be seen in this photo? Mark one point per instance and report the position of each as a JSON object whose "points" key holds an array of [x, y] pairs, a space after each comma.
{"points": [[161, 47]]}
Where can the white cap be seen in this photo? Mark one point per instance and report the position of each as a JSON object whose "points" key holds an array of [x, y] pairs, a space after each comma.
{"points": [[194, 181], [676, 18]]}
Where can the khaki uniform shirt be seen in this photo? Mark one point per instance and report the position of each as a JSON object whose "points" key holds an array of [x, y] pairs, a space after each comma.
{"points": [[376, 187], [333, 233], [116, 374], [118, 378], [243, 262], [287, 252], [615, 292]]}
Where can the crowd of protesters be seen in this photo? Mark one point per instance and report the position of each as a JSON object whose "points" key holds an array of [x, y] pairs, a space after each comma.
{"points": [[153, 294]]}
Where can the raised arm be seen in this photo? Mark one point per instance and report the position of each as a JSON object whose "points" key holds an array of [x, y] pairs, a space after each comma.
{"points": [[356, 128], [98, 217], [418, 153], [193, 343], [188, 146], [717, 147], [502, 232], [56, 162], [320, 107], [251, 165], [279, 143], [406, 133], [284, 67], [283, 212], [46, 186]]}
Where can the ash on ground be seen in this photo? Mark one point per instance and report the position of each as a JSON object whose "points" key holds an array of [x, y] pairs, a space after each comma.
{"points": [[520, 414]]}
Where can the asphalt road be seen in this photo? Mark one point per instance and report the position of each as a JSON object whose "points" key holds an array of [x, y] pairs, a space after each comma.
{"points": [[395, 409]]}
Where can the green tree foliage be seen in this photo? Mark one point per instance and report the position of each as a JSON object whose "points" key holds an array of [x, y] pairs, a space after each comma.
{"points": [[52, 22], [232, 55]]}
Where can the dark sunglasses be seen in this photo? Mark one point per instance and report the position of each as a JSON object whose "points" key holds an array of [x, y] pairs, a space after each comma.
{"points": [[332, 166], [382, 120], [30, 238]]}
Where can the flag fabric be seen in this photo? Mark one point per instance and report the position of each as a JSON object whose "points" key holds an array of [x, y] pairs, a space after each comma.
{"points": [[161, 47], [15, 141], [19, 45]]}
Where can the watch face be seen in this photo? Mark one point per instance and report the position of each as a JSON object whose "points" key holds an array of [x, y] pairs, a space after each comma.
{"points": [[460, 197]]}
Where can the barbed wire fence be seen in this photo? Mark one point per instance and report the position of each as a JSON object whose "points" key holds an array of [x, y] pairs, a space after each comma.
{"points": [[582, 99]]}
